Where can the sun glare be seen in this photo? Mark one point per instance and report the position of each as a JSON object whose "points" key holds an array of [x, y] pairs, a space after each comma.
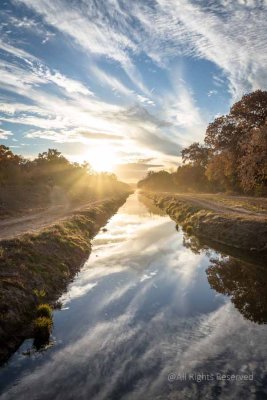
{"points": [[102, 159]]}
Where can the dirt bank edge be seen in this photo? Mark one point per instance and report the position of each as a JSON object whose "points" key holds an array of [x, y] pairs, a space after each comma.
{"points": [[239, 232], [38, 267]]}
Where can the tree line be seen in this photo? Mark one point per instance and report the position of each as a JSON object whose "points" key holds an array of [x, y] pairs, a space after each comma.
{"points": [[233, 157], [49, 179]]}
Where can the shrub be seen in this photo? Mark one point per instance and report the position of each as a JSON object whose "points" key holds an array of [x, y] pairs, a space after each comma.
{"points": [[44, 310], [42, 328]]}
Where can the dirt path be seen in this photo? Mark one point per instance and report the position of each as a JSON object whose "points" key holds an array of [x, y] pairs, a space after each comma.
{"points": [[16, 226], [215, 204]]}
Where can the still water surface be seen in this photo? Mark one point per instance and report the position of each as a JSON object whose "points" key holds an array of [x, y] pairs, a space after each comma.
{"points": [[149, 316]]}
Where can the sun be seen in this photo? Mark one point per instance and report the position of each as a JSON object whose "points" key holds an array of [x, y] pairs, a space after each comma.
{"points": [[102, 159]]}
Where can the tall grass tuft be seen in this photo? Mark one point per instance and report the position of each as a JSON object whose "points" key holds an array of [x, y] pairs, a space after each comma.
{"points": [[42, 328], [44, 310]]}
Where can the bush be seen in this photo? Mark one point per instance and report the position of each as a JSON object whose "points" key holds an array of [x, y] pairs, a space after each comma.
{"points": [[44, 310], [42, 328]]}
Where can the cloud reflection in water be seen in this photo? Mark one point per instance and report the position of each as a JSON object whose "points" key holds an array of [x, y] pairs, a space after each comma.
{"points": [[141, 309]]}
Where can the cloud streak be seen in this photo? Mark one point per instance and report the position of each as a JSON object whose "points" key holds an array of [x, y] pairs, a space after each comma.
{"points": [[133, 56], [163, 28], [4, 134]]}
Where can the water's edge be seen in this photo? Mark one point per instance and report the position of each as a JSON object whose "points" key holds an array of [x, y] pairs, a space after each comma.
{"points": [[151, 314], [246, 234], [38, 267]]}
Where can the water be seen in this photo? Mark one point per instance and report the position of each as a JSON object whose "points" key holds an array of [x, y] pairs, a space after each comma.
{"points": [[150, 316]]}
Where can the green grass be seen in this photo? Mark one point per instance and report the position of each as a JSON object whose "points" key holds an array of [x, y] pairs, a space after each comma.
{"points": [[42, 325], [36, 268]]}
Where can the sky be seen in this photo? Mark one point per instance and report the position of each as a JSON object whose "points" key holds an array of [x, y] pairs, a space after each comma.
{"points": [[124, 85]]}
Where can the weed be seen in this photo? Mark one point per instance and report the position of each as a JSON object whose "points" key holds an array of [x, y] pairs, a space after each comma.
{"points": [[44, 310], [42, 328], [39, 293]]}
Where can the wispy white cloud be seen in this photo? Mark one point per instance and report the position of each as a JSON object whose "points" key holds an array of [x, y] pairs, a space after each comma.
{"points": [[124, 34], [180, 108], [165, 28], [4, 133], [101, 34], [21, 78], [111, 81], [70, 85], [15, 51], [145, 100], [29, 24], [215, 32], [108, 80], [80, 135], [59, 120]]}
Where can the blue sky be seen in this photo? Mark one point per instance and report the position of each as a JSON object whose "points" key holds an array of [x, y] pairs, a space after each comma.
{"points": [[129, 81]]}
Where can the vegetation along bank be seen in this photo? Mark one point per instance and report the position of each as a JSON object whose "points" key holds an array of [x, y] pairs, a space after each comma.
{"points": [[247, 231], [36, 268]]}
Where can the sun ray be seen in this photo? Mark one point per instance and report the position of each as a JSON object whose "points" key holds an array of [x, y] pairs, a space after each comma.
{"points": [[102, 159]]}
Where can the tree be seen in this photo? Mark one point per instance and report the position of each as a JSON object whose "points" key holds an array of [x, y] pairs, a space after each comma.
{"points": [[246, 285], [252, 108], [50, 178], [191, 177], [253, 165], [161, 180], [196, 154], [9, 166], [221, 170], [223, 133], [234, 156], [237, 143], [51, 155], [53, 167], [229, 131]]}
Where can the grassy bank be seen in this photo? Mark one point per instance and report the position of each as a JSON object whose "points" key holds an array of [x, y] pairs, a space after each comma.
{"points": [[36, 268], [228, 229]]}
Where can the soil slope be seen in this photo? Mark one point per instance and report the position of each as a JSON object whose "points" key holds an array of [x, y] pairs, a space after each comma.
{"points": [[236, 225], [37, 267]]}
